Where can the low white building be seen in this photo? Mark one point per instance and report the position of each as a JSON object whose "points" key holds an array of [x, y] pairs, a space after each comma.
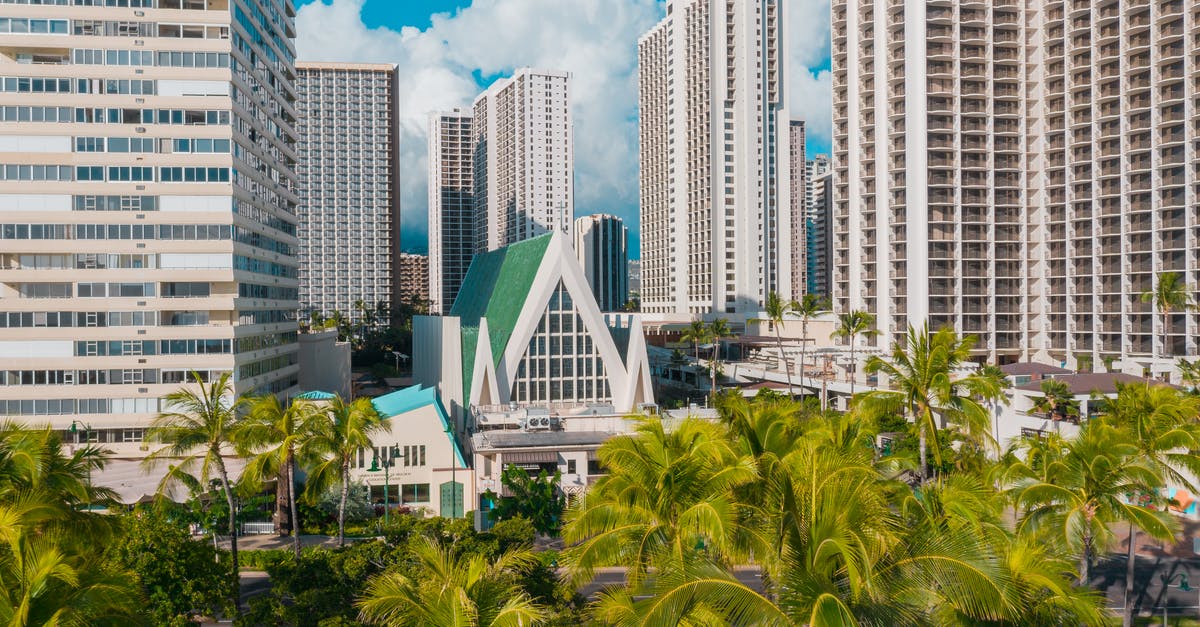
{"points": [[419, 459], [1016, 416]]}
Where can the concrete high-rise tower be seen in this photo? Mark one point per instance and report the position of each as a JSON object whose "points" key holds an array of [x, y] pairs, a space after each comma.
{"points": [[799, 207], [523, 158], [350, 177], [147, 208], [602, 247], [451, 206], [714, 155], [1023, 171]]}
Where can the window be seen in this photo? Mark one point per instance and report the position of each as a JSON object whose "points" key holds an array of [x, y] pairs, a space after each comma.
{"points": [[414, 493]]}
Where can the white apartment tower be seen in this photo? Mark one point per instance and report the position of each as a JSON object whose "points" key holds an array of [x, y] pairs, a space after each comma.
{"points": [[523, 159], [602, 247], [349, 175], [798, 203], [714, 144], [1021, 170], [451, 206], [147, 207]]}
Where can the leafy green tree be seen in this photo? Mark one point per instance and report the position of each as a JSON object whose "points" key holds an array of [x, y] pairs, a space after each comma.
{"points": [[777, 309], [808, 307], [1076, 492], [851, 325], [924, 388], [449, 589], [1056, 402], [1189, 374], [1171, 293], [51, 570], [1162, 424], [536, 499], [319, 589], [275, 436], [717, 330], [697, 334], [181, 578], [339, 432], [668, 504], [196, 433]]}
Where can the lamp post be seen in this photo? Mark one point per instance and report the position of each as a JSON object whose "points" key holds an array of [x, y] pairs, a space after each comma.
{"points": [[387, 464], [454, 494]]}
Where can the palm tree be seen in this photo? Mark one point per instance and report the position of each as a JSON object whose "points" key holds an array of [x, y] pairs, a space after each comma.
{"points": [[197, 432], [1189, 373], [666, 494], [851, 325], [1161, 423], [717, 330], [1171, 293], [996, 382], [340, 432], [275, 437], [1077, 495], [777, 309], [697, 334], [1056, 401], [920, 373], [808, 307], [448, 589]]}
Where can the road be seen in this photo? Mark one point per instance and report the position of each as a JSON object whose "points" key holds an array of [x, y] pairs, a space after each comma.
{"points": [[1150, 596]]}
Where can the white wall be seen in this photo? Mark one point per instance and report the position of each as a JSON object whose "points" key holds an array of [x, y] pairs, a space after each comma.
{"points": [[35, 349], [195, 203], [35, 202], [35, 143]]}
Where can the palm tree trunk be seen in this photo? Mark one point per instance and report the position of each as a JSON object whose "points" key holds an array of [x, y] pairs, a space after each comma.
{"points": [[803, 344], [1127, 613], [291, 492], [342, 502], [786, 369], [922, 450], [1085, 559], [1166, 337], [853, 370], [233, 550]]}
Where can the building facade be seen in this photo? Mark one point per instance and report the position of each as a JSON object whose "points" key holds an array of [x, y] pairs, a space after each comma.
{"points": [[147, 208], [413, 284], [349, 177], [523, 159], [602, 247], [714, 177], [820, 253], [1022, 171], [798, 207], [451, 206]]}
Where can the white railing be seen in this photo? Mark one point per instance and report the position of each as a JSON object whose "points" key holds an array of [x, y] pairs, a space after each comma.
{"points": [[257, 528]]}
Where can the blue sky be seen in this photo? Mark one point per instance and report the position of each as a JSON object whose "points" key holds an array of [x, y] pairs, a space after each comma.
{"points": [[447, 50]]}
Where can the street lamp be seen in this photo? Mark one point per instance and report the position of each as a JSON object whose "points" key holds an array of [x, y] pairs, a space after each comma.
{"points": [[387, 464]]}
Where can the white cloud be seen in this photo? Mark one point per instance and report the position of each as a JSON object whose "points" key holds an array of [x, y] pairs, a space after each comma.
{"points": [[810, 94], [595, 40]]}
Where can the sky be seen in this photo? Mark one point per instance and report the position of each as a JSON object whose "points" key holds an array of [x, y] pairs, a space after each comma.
{"points": [[450, 50]]}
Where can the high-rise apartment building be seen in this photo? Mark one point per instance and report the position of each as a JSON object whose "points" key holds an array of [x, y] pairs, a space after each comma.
{"points": [[819, 253], [147, 207], [813, 170], [1022, 171], [714, 178], [451, 206], [413, 278], [350, 185], [602, 247], [798, 206], [523, 158]]}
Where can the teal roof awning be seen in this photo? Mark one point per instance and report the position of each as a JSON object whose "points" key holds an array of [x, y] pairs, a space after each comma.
{"points": [[316, 395], [412, 398]]}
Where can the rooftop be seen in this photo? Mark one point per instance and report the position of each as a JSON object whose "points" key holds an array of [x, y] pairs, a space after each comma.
{"points": [[1028, 368], [535, 439], [1087, 383]]}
